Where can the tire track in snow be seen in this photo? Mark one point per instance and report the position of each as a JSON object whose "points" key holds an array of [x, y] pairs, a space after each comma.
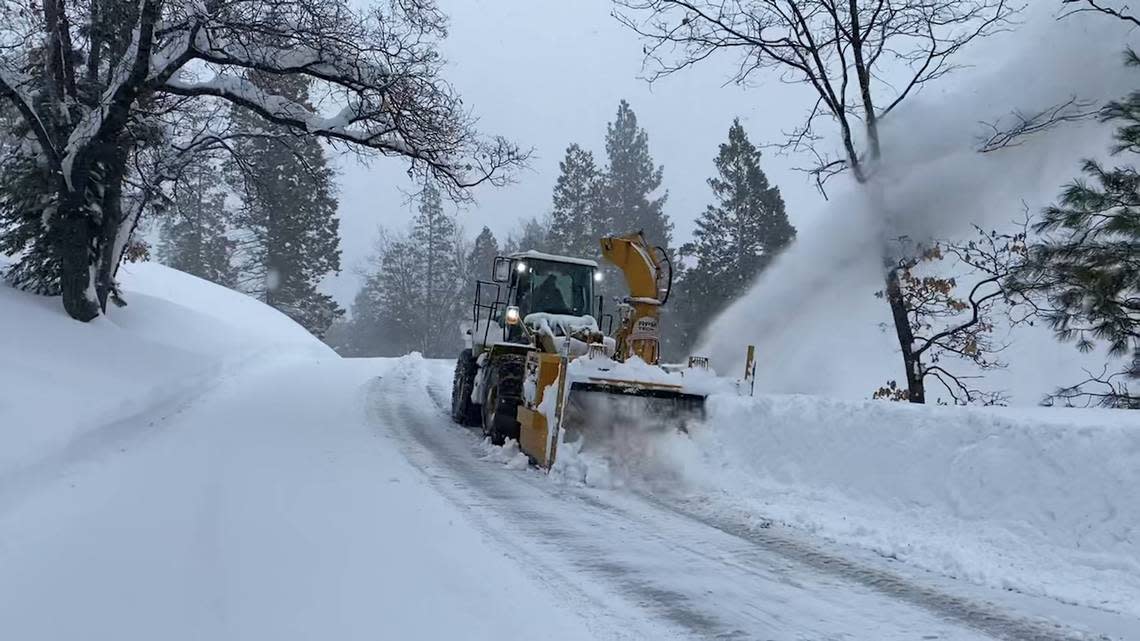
{"points": [[398, 401], [986, 619], [707, 581], [977, 615]]}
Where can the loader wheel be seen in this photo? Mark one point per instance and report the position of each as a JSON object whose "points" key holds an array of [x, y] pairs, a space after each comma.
{"points": [[504, 395], [463, 411]]}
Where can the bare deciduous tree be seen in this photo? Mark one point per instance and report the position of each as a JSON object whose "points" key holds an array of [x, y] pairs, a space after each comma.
{"points": [[862, 58], [957, 299], [94, 81]]}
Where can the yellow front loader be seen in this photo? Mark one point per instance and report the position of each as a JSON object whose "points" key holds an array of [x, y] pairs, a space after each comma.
{"points": [[539, 369]]}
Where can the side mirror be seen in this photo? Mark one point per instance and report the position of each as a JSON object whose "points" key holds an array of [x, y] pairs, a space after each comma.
{"points": [[502, 271]]}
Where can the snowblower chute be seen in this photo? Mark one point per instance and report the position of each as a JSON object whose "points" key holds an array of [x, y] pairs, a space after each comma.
{"points": [[540, 370]]}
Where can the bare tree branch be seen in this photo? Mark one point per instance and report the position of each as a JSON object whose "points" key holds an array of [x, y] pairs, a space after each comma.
{"points": [[1012, 134]]}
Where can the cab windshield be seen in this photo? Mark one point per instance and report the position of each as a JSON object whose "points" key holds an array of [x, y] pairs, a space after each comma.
{"points": [[555, 288]]}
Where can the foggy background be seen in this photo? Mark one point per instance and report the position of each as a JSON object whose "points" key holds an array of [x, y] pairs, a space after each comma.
{"points": [[546, 73]]}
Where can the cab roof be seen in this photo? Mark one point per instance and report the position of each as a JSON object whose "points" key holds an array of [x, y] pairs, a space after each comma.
{"points": [[554, 258]]}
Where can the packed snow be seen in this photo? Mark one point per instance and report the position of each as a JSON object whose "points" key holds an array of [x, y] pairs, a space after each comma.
{"points": [[195, 465], [1034, 500]]}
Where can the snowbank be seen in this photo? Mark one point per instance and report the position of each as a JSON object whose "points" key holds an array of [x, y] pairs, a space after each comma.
{"points": [[60, 378], [1038, 500]]}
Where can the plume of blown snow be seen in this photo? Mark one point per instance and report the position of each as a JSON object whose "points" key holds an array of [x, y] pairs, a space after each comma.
{"points": [[813, 315]]}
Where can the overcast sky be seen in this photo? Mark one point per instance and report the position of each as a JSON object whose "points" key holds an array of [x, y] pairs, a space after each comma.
{"points": [[546, 73]]}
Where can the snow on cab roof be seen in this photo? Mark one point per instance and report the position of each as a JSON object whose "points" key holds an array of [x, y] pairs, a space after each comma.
{"points": [[537, 255]]}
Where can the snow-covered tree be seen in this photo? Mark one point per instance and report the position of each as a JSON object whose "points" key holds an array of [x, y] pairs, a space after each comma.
{"points": [[575, 220], [631, 182], [289, 232], [738, 235], [194, 227], [97, 87]]}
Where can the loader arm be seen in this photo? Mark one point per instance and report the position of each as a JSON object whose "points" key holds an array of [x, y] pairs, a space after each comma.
{"points": [[639, 333]]}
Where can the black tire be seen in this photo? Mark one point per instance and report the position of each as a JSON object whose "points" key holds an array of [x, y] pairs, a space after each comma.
{"points": [[463, 411], [504, 394]]}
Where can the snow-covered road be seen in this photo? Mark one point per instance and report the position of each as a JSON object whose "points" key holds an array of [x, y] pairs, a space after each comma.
{"points": [[706, 576], [320, 498]]}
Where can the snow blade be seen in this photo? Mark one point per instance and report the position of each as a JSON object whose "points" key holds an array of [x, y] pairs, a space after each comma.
{"points": [[604, 412]]}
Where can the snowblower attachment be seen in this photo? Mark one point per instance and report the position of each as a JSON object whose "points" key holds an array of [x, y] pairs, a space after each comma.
{"points": [[569, 401]]}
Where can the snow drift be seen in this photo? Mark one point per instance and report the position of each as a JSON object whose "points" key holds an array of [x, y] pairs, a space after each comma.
{"points": [[197, 466], [1037, 500], [177, 336]]}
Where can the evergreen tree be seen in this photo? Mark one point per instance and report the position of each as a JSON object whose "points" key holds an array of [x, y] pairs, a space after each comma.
{"points": [[288, 215], [1089, 263], [416, 295], [736, 237], [534, 234], [575, 219], [630, 182], [27, 204], [435, 239], [481, 258], [386, 313], [194, 230]]}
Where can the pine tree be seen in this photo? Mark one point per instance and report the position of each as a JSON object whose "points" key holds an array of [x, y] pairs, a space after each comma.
{"points": [[575, 222], [1089, 264], [435, 238], [194, 230], [736, 237], [27, 204], [534, 234], [288, 216], [630, 182], [415, 296], [388, 309], [481, 258]]}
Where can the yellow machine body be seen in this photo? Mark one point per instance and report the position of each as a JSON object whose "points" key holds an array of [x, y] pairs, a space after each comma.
{"points": [[639, 333], [537, 436], [601, 403]]}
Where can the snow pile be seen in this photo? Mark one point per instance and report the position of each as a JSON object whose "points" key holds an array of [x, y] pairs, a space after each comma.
{"points": [[61, 379], [508, 454], [1041, 501], [691, 381], [560, 324]]}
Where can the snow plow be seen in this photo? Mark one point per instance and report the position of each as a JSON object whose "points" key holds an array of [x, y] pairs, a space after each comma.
{"points": [[537, 367]]}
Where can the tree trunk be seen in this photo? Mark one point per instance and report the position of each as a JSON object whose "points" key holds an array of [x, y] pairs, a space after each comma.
{"points": [[112, 223], [73, 245], [916, 390]]}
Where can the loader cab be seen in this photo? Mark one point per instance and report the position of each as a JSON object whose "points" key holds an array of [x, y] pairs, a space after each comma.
{"points": [[552, 285], [536, 282]]}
